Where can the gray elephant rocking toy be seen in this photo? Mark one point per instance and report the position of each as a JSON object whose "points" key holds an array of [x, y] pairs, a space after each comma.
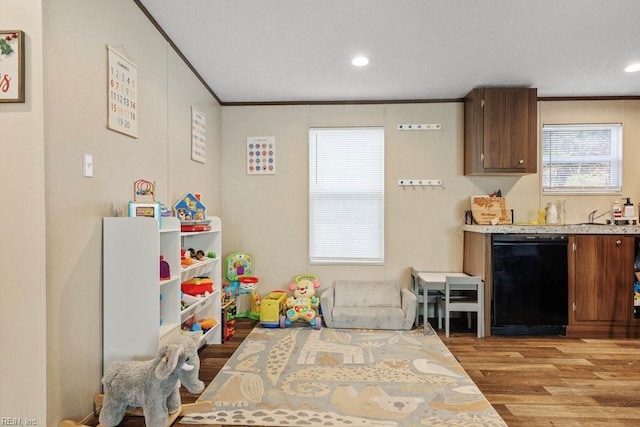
{"points": [[152, 385]]}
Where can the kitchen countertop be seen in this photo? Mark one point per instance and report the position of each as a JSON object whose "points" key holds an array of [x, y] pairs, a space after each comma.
{"points": [[552, 229]]}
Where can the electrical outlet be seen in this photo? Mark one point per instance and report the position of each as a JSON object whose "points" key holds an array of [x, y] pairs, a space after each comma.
{"points": [[87, 165]]}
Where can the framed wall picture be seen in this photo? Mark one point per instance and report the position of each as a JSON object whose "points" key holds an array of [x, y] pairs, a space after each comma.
{"points": [[12, 66]]}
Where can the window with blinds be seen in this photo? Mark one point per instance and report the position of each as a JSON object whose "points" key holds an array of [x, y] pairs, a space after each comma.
{"points": [[346, 195], [582, 158]]}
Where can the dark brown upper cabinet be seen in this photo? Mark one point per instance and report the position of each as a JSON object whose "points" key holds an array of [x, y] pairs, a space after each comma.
{"points": [[500, 131]]}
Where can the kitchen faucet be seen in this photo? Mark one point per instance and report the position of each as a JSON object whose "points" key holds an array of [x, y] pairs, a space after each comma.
{"points": [[593, 217]]}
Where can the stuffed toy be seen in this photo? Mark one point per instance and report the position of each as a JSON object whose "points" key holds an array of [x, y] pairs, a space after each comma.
{"points": [[153, 384], [303, 304]]}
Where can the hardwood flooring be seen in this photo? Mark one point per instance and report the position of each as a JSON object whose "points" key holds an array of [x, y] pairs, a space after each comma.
{"points": [[545, 381], [530, 381]]}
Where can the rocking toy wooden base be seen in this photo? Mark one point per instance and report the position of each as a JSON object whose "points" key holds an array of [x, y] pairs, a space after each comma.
{"points": [[187, 408]]}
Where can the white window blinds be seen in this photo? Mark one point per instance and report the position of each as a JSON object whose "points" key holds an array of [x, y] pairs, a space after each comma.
{"points": [[582, 158], [346, 195]]}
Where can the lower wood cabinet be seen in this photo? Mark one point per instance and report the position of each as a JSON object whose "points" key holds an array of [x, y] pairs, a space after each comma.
{"points": [[601, 278]]}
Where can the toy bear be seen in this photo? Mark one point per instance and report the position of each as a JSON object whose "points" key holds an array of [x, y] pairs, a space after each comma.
{"points": [[304, 303]]}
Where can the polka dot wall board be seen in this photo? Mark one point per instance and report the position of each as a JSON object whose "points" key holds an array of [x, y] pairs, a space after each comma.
{"points": [[261, 155]]}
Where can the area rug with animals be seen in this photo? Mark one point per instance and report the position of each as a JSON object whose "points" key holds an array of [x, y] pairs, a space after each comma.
{"points": [[300, 376]]}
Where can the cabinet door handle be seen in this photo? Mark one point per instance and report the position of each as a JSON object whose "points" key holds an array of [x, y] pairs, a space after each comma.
{"points": [[618, 242], [521, 161]]}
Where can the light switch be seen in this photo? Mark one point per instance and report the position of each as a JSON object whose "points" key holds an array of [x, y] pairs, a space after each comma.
{"points": [[87, 165]]}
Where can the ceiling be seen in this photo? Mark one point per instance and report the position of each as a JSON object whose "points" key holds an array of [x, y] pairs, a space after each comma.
{"points": [[296, 51]]}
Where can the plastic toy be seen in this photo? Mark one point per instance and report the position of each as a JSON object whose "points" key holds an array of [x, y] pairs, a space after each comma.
{"points": [[164, 210], [303, 304], [207, 323], [226, 295], [165, 270], [242, 285], [197, 286], [192, 213], [239, 264], [272, 308], [190, 208], [229, 329], [228, 322], [185, 258]]}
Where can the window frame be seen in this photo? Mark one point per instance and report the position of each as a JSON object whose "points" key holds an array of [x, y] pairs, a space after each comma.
{"points": [[358, 193], [616, 158]]}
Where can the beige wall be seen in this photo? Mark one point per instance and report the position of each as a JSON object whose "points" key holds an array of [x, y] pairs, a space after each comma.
{"points": [[267, 215], [625, 112], [76, 35], [23, 323]]}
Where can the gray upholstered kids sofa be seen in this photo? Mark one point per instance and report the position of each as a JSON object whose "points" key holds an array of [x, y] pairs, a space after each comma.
{"points": [[363, 304]]}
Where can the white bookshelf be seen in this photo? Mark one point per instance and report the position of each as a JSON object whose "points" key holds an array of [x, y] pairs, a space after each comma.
{"points": [[140, 311]]}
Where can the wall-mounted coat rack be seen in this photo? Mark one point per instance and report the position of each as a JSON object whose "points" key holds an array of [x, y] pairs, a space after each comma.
{"points": [[419, 182]]}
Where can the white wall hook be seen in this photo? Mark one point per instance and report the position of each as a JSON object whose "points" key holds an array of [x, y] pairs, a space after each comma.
{"points": [[410, 182]]}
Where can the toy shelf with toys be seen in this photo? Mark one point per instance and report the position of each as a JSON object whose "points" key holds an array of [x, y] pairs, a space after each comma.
{"points": [[201, 263], [142, 278], [206, 245], [199, 310]]}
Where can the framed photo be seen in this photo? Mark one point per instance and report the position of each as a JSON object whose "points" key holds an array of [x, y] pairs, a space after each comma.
{"points": [[11, 66], [151, 210]]}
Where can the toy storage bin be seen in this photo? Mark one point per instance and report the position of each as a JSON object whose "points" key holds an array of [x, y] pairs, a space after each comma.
{"points": [[205, 303], [193, 303], [197, 269]]}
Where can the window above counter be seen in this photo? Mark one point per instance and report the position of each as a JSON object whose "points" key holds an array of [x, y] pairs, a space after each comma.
{"points": [[582, 158]]}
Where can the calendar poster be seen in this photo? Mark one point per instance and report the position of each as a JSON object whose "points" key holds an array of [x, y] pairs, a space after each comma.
{"points": [[261, 155], [198, 136], [123, 94]]}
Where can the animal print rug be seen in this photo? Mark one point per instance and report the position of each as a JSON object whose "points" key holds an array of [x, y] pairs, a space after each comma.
{"points": [[300, 376]]}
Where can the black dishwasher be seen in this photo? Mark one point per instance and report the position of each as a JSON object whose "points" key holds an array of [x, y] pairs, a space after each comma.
{"points": [[530, 284]]}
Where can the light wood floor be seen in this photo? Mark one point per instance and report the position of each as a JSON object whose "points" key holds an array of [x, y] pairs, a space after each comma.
{"points": [[535, 381], [530, 381]]}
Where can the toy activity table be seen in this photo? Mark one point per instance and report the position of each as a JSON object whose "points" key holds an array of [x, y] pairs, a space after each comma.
{"points": [[424, 282]]}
